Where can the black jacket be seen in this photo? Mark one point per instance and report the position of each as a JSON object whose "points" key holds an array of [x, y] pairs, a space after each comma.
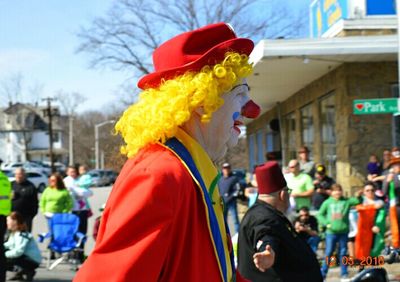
{"points": [[294, 259], [25, 198], [229, 187], [324, 184]]}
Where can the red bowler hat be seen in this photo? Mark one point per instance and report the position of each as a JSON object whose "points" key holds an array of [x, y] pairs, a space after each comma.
{"points": [[269, 178], [190, 51]]}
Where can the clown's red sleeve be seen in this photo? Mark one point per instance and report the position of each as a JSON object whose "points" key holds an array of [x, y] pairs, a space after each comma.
{"points": [[153, 227], [134, 234]]}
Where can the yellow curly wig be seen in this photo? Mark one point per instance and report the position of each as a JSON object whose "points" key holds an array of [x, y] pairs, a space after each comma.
{"points": [[160, 111]]}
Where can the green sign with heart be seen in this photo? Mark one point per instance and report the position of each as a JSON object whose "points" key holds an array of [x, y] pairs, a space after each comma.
{"points": [[376, 106]]}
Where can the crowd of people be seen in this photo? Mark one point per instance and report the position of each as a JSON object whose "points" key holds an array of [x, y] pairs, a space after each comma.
{"points": [[342, 227], [20, 204], [166, 216]]}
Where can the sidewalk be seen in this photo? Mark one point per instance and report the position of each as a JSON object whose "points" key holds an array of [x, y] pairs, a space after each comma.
{"points": [[62, 273]]}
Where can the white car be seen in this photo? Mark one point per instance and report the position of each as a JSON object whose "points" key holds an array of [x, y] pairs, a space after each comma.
{"points": [[28, 166], [40, 180]]}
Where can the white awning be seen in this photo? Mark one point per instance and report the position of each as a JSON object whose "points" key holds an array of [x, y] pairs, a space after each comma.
{"points": [[283, 67]]}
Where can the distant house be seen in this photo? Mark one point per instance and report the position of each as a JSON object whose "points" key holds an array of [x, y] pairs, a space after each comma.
{"points": [[24, 134]]}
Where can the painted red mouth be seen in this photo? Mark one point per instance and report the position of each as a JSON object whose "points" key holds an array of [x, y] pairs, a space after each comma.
{"points": [[236, 125]]}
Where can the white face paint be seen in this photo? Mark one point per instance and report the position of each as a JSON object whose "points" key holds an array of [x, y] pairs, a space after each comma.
{"points": [[222, 132]]}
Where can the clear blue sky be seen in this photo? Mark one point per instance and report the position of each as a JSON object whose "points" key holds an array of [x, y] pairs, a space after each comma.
{"points": [[38, 39]]}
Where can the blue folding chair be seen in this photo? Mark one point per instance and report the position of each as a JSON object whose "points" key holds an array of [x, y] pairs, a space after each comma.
{"points": [[65, 239]]}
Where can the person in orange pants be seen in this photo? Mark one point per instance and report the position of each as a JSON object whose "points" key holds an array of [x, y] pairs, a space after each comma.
{"points": [[371, 225]]}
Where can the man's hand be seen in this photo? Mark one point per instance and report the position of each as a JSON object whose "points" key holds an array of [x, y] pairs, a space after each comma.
{"points": [[265, 259], [375, 229], [359, 193]]}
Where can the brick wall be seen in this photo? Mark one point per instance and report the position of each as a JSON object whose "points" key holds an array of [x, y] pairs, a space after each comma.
{"points": [[356, 136]]}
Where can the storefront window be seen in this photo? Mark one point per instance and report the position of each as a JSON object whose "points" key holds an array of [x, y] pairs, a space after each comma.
{"points": [[290, 134], [307, 127], [252, 151], [260, 147], [328, 136]]}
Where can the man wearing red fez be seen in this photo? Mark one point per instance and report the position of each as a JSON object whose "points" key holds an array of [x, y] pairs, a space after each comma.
{"points": [[269, 248], [164, 218]]}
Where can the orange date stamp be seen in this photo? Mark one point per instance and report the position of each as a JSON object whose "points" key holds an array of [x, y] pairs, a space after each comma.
{"points": [[364, 262]]}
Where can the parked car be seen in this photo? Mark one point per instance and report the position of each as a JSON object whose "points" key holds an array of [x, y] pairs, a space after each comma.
{"points": [[59, 167], [45, 167], [111, 176], [99, 178], [39, 179], [28, 166], [8, 173]]}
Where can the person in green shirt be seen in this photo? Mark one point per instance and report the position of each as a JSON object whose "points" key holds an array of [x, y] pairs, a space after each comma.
{"points": [[334, 216], [301, 184], [55, 198], [5, 209]]}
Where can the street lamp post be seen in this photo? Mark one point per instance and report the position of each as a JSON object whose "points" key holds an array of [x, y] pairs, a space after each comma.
{"points": [[96, 138], [71, 140]]}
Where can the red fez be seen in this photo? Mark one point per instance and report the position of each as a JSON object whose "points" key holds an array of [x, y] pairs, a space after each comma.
{"points": [[269, 178]]}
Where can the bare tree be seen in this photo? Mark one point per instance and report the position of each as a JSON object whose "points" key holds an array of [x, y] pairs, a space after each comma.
{"points": [[84, 141], [126, 37], [69, 103], [11, 88], [35, 91], [126, 95]]}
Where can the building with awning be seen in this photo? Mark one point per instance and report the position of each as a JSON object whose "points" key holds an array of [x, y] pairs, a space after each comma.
{"points": [[306, 88]]}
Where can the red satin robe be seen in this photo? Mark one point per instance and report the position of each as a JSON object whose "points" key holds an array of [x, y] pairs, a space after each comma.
{"points": [[154, 227]]}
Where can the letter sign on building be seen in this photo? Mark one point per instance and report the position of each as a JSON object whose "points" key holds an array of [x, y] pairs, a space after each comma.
{"points": [[376, 106]]}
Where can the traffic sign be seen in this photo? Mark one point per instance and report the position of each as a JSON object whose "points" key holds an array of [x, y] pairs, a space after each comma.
{"points": [[376, 106]]}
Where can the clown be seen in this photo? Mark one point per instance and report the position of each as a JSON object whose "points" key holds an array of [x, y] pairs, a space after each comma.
{"points": [[164, 217]]}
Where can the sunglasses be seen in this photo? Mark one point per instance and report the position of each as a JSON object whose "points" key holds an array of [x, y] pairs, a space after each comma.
{"points": [[369, 190], [293, 166]]}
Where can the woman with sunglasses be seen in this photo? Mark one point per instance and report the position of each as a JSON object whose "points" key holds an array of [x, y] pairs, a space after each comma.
{"points": [[371, 224], [55, 198]]}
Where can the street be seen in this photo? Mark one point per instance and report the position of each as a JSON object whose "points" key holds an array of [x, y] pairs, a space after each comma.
{"points": [[63, 272]]}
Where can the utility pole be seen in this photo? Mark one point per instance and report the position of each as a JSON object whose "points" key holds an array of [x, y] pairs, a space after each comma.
{"points": [[49, 112], [71, 140], [96, 142]]}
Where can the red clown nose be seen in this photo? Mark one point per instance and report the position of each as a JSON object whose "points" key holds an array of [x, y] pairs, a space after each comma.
{"points": [[251, 110]]}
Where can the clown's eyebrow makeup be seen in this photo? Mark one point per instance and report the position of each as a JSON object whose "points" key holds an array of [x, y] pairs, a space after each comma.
{"points": [[243, 84]]}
